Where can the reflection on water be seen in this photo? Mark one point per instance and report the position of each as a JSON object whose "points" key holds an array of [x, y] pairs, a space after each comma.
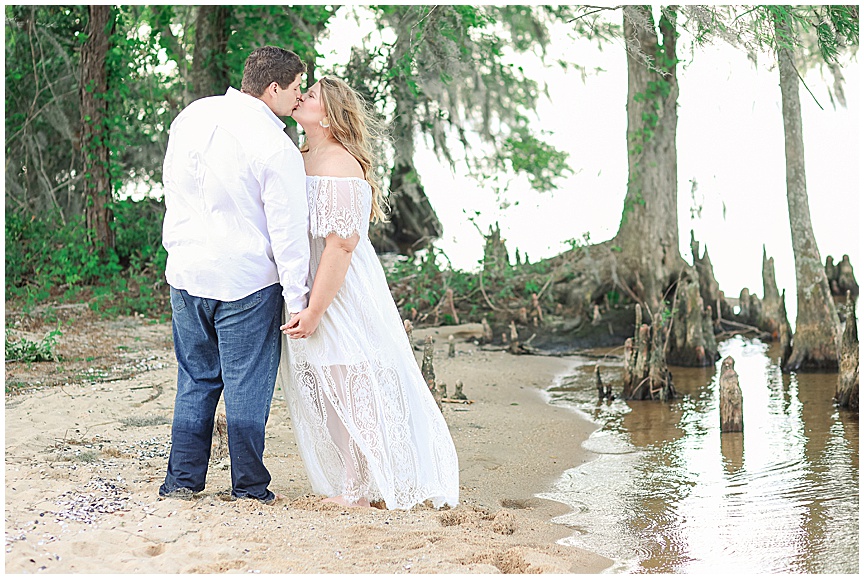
{"points": [[668, 493]]}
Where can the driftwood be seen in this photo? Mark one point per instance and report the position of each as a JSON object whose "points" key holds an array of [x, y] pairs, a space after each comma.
{"points": [[731, 401], [846, 394], [457, 401], [645, 372], [428, 370]]}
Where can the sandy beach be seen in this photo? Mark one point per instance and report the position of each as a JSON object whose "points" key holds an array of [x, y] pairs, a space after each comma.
{"points": [[84, 459]]}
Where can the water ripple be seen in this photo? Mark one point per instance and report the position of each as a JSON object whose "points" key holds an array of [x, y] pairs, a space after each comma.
{"points": [[668, 493]]}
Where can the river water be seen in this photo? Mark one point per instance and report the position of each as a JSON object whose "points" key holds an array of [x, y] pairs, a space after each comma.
{"points": [[667, 493]]}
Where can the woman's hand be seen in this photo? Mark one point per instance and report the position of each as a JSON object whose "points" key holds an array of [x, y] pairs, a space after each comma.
{"points": [[301, 325]]}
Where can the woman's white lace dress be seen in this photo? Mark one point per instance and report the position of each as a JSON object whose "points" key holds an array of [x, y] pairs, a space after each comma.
{"points": [[365, 421]]}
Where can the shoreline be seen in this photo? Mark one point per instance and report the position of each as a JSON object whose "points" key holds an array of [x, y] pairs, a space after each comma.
{"points": [[83, 463]]}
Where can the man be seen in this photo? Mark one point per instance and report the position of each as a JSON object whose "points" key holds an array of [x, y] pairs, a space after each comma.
{"points": [[236, 226]]}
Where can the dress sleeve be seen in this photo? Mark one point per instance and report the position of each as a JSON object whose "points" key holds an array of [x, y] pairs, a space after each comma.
{"points": [[341, 206]]}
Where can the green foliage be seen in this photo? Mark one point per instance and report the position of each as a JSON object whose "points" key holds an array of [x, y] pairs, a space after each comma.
{"points": [[150, 63], [420, 283], [24, 350], [40, 255], [542, 163], [42, 147], [450, 67], [822, 31], [138, 227], [46, 261]]}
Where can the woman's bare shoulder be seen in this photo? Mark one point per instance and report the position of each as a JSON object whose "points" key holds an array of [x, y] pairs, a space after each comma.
{"points": [[338, 162]]}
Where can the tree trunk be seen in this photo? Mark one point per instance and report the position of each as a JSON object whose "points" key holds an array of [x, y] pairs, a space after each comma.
{"points": [[816, 343], [413, 223], [847, 382], [645, 373], [708, 286], [209, 70], [691, 342], [94, 86], [648, 233]]}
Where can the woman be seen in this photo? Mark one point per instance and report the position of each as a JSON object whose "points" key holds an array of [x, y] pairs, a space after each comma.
{"points": [[367, 426]]}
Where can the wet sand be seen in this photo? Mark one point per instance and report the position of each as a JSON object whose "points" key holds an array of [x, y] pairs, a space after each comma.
{"points": [[84, 462]]}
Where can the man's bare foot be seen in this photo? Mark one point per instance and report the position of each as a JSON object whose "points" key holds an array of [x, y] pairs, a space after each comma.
{"points": [[340, 500]]}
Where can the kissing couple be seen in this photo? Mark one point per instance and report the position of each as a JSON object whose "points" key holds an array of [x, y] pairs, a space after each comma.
{"points": [[259, 232]]}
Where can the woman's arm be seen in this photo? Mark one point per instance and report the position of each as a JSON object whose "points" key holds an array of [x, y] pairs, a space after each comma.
{"points": [[335, 260]]}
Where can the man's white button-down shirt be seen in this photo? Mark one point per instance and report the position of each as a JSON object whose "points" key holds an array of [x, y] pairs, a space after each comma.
{"points": [[237, 218]]}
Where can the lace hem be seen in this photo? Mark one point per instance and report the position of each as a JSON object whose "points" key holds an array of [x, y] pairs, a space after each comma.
{"points": [[340, 206]]}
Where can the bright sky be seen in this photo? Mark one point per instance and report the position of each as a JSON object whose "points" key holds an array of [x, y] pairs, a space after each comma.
{"points": [[730, 142]]}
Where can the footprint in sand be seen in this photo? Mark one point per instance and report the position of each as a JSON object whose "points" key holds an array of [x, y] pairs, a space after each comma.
{"points": [[503, 522]]}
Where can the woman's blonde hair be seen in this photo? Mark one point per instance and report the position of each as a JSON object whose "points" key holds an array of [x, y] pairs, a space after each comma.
{"points": [[357, 129]]}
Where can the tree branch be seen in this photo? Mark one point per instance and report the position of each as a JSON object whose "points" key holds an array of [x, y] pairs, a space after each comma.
{"points": [[596, 10]]}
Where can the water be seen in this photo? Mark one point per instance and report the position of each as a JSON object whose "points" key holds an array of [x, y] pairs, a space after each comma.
{"points": [[668, 493]]}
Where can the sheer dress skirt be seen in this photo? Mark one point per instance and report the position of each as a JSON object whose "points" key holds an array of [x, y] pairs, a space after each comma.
{"points": [[365, 421]]}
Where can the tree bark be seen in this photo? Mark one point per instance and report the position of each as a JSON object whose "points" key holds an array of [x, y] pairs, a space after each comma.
{"points": [[413, 223], [648, 233], [209, 70], [770, 293], [691, 341], [731, 401], [816, 343], [846, 394], [94, 145], [427, 369], [708, 286], [645, 373], [846, 278]]}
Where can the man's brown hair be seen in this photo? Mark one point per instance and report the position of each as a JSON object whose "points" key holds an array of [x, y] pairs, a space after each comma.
{"points": [[270, 64]]}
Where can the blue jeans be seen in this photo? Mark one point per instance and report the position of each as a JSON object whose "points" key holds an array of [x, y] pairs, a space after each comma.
{"points": [[231, 348]]}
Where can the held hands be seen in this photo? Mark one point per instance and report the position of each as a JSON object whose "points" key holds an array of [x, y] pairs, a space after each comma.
{"points": [[301, 325]]}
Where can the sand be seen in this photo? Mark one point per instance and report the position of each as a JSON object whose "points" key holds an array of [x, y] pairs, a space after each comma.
{"points": [[84, 461]]}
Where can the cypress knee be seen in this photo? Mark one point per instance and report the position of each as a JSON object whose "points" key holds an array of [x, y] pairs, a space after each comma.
{"points": [[846, 277], [428, 371], [846, 394], [731, 401]]}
